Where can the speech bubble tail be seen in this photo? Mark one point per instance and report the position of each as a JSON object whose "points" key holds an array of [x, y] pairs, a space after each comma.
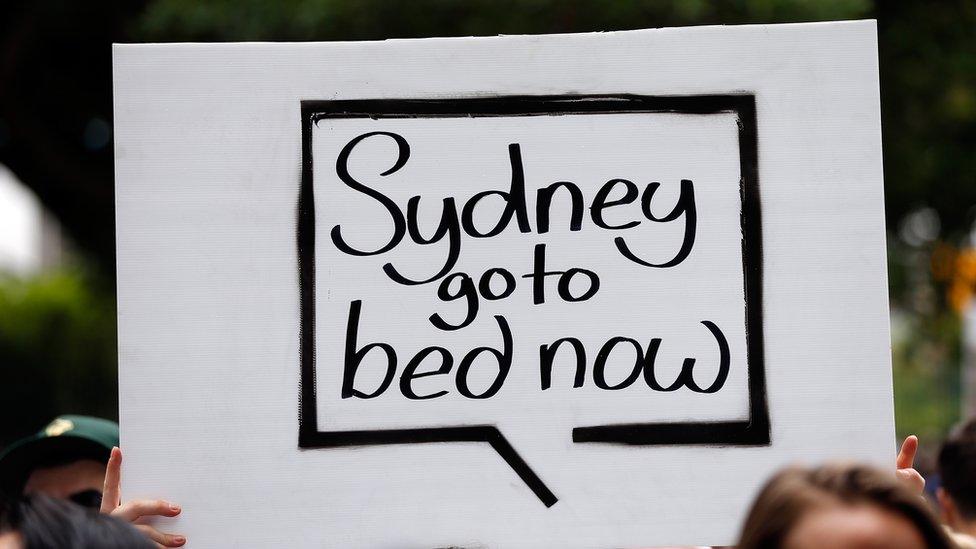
{"points": [[310, 437], [521, 468]]}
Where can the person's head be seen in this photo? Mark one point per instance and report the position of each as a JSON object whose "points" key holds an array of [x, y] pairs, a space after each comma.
{"points": [[839, 506], [957, 470], [65, 460], [43, 522]]}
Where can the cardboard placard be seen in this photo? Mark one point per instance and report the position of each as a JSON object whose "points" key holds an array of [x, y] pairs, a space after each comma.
{"points": [[570, 290]]}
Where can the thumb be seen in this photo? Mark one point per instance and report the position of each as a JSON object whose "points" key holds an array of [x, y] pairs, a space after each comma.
{"points": [[906, 457]]}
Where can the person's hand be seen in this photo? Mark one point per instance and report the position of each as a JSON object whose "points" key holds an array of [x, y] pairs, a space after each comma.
{"points": [[905, 464], [136, 511]]}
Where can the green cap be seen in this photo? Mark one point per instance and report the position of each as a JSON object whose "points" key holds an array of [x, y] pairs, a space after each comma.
{"points": [[66, 439]]}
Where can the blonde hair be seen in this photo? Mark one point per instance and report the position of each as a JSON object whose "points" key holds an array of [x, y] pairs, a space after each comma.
{"points": [[795, 491]]}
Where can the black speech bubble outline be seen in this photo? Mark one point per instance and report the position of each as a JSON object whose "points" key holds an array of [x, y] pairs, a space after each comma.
{"points": [[755, 431]]}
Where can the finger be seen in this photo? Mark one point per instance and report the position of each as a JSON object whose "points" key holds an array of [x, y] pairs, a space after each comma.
{"points": [[906, 457], [112, 490], [162, 539], [132, 510], [911, 479]]}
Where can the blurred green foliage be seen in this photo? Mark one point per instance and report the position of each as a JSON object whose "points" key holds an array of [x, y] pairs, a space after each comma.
{"points": [[58, 350], [927, 354], [926, 363], [379, 19], [928, 83]]}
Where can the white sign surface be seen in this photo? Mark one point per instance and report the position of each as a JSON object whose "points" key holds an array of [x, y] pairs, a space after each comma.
{"points": [[573, 290]]}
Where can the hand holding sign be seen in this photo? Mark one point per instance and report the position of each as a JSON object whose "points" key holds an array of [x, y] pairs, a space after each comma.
{"points": [[905, 464], [136, 511]]}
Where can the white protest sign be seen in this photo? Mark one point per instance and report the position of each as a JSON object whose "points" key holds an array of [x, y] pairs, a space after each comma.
{"points": [[571, 290]]}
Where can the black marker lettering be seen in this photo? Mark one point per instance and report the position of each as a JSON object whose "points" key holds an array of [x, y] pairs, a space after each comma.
{"points": [[504, 358], [447, 226], [484, 285], [599, 367], [466, 290], [567, 277], [539, 273], [600, 203], [723, 363], [543, 203], [548, 352], [342, 170], [514, 201], [354, 356], [685, 205], [686, 376], [409, 373], [649, 376]]}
